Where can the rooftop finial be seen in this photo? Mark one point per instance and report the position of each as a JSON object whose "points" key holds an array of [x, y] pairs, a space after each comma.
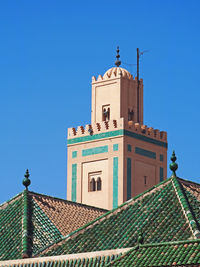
{"points": [[26, 182], [117, 62], [140, 238], [173, 166]]}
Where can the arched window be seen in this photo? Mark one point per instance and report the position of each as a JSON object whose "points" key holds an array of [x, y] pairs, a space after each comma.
{"points": [[98, 184], [92, 185], [106, 113]]}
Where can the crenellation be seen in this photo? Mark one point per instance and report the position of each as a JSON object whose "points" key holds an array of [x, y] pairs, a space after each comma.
{"points": [[80, 130], [88, 129], [100, 78], [103, 126], [156, 133], [98, 126], [113, 125], [150, 132], [94, 79], [163, 135]]}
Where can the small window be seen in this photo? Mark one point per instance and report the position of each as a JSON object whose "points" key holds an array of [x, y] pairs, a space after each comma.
{"points": [[92, 185], [145, 180], [130, 115], [99, 184], [106, 113], [95, 181]]}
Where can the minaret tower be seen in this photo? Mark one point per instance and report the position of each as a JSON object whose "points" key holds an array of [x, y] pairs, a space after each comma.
{"points": [[115, 157]]}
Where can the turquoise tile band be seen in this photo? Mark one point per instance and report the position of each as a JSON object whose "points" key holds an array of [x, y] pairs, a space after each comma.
{"points": [[74, 181], [116, 133], [74, 154], [145, 153], [115, 147], [115, 182], [94, 151]]}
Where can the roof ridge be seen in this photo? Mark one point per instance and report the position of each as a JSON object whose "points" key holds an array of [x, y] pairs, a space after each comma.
{"points": [[188, 181], [68, 201], [104, 216], [152, 245], [186, 207], [26, 226]]}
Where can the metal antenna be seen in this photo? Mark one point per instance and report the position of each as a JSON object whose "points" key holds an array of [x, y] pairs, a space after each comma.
{"points": [[138, 79]]}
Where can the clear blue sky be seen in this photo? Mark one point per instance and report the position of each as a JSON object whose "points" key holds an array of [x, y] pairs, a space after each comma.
{"points": [[49, 51]]}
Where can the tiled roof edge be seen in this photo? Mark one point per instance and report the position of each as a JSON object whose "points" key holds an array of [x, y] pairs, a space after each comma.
{"points": [[43, 260], [25, 226], [186, 208], [188, 181], [68, 201], [152, 245], [101, 217], [8, 201]]}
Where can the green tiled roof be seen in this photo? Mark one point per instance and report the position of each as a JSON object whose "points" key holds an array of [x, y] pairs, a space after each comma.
{"points": [[162, 214], [44, 232], [11, 228], [29, 222], [24, 228], [185, 253], [161, 226]]}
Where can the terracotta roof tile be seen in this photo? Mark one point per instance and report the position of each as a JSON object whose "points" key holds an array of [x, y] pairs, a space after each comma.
{"points": [[67, 216], [29, 222]]}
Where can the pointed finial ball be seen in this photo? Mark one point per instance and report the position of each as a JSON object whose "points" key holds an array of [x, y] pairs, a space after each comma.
{"points": [[173, 166], [26, 182], [117, 62]]}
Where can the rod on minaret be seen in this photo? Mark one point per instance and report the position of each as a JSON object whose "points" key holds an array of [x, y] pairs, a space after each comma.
{"points": [[138, 86], [117, 62]]}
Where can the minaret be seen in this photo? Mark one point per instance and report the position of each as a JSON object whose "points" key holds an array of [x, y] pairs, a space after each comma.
{"points": [[115, 157]]}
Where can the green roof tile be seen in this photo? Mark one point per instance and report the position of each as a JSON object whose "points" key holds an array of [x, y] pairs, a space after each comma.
{"points": [[157, 214], [186, 253], [26, 226], [11, 214]]}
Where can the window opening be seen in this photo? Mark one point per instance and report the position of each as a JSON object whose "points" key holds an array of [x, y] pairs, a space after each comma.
{"points": [[130, 114], [106, 113], [145, 180], [92, 185], [99, 184]]}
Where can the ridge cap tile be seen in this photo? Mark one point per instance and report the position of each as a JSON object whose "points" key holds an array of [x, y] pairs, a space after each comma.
{"points": [[186, 207]]}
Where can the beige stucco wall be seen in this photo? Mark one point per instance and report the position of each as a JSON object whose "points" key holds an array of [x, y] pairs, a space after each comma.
{"points": [[118, 89], [143, 166], [120, 94], [102, 162]]}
